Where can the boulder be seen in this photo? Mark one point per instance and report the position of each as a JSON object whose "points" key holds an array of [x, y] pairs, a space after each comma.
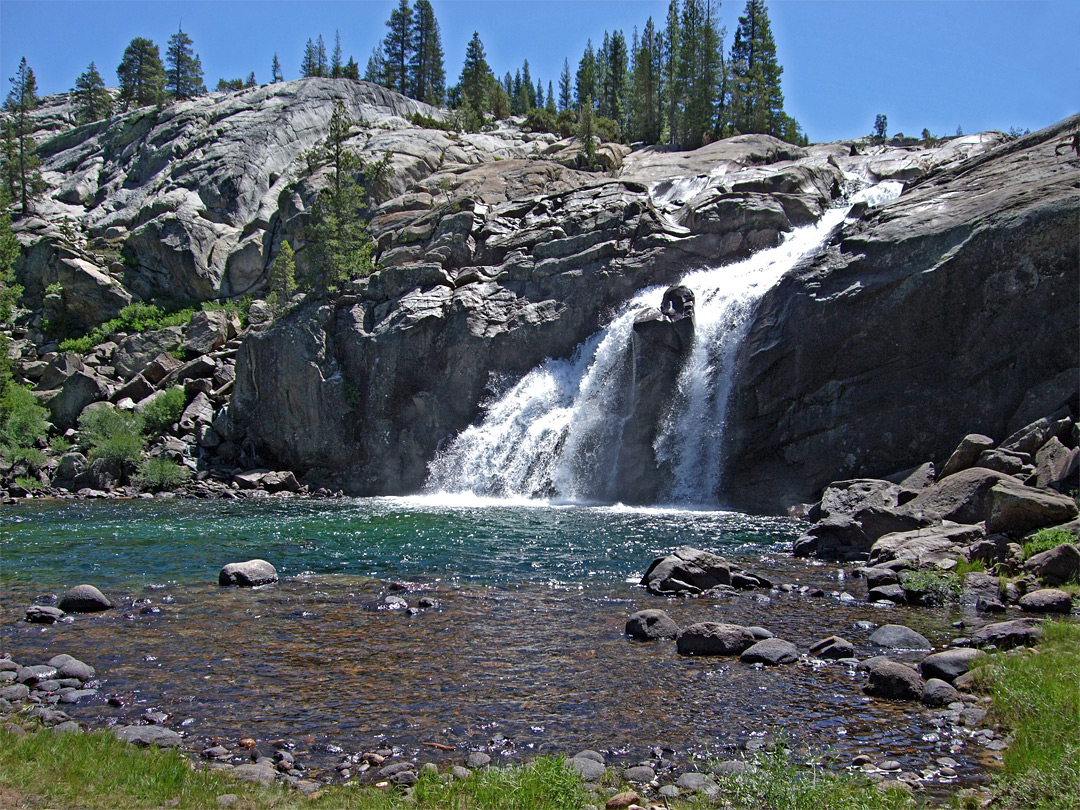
{"points": [[43, 614], [1055, 566], [1006, 635], [833, 648], [136, 352], [895, 681], [73, 668], [1017, 509], [771, 652], [79, 390], [248, 574], [588, 769], [650, 625], [967, 453], [948, 665], [925, 547], [892, 593], [58, 370], [937, 693], [686, 571], [1055, 463], [714, 638], [963, 497], [84, 599], [1005, 461], [145, 736], [209, 331], [899, 637], [1046, 600], [159, 368], [199, 412], [280, 481]]}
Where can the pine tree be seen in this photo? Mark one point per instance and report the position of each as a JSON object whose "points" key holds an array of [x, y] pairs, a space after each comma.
{"points": [[566, 100], [339, 240], [757, 101], [351, 70], [10, 289], [141, 74], [585, 87], [92, 100], [586, 131], [672, 83], [309, 65], [646, 121], [336, 66], [881, 128], [21, 174], [398, 47], [275, 71], [375, 72], [615, 78], [698, 72], [528, 97], [539, 95], [427, 72], [475, 83], [322, 68], [184, 69], [550, 105], [250, 81], [282, 282]]}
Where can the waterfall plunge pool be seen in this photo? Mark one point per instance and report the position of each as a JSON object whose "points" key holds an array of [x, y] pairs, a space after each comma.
{"points": [[524, 653]]}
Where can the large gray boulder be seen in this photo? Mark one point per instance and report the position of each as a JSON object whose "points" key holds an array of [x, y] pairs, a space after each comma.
{"points": [[895, 681], [899, 637], [1046, 600], [1055, 566], [1006, 635], [714, 638], [84, 599], [248, 574], [137, 351], [965, 455], [925, 547], [79, 390], [1016, 509], [948, 665], [687, 570]]}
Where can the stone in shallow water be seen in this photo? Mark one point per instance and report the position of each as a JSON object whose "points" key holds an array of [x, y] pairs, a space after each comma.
{"points": [[43, 614], [948, 665], [772, 652], [899, 637], [895, 681], [84, 599], [714, 638], [651, 625], [248, 574], [833, 648]]}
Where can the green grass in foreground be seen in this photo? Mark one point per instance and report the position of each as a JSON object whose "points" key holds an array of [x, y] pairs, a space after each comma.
{"points": [[1037, 696]]}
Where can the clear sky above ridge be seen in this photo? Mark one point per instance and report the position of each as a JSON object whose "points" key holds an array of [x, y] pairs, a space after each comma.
{"points": [[924, 63]]}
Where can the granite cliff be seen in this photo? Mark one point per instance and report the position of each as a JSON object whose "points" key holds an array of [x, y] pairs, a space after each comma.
{"points": [[951, 309]]}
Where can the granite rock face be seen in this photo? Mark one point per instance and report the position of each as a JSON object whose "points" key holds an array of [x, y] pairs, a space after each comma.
{"points": [[950, 310]]}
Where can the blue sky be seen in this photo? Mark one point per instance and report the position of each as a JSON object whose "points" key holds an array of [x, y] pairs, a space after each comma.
{"points": [[923, 63]]}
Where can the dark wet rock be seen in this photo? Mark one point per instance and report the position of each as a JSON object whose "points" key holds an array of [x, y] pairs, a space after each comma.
{"points": [[967, 453], [687, 570], [43, 614], [650, 625], [1006, 635], [877, 576], [892, 593], [73, 668], [1046, 600], [770, 651], [948, 665], [832, 648], [84, 599], [989, 605], [714, 638], [642, 774], [1017, 509], [158, 736], [248, 574], [895, 681], [1055, 566], [899, 637]]}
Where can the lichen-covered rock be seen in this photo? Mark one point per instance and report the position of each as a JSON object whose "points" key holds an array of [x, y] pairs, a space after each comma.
{"points": [[248, 574]]}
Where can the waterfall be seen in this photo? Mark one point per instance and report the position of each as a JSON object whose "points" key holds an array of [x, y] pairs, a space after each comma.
{"points": [[556, 434]]}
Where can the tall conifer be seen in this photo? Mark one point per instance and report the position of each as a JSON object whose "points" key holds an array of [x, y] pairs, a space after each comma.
{"points": [[398, 48], [427, 71], [21, 162], [184, 69], [92, 100], [141, 74]]}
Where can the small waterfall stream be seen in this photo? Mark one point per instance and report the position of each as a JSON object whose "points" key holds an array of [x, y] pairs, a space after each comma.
{"points": [[557, 433]]}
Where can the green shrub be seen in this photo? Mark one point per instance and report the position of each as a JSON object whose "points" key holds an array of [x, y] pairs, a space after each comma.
{"points": [[931, 586], [22, 420], [163, 411], [28, 483], [1046, 539], [160, 473], [81, 345], [112, 434], [59, 444]]}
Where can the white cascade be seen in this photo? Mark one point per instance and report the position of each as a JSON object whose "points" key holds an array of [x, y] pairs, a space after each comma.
{"points": [[556, 434]]}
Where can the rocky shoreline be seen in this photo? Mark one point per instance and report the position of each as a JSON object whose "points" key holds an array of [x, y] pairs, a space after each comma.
{"points": [[906, 669]]}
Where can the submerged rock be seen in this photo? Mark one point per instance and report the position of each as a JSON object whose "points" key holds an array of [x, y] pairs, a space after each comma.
{"points": [[650, 625]]}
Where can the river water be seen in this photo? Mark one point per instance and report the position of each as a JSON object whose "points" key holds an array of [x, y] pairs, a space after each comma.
{"points": [[524, 653]]}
